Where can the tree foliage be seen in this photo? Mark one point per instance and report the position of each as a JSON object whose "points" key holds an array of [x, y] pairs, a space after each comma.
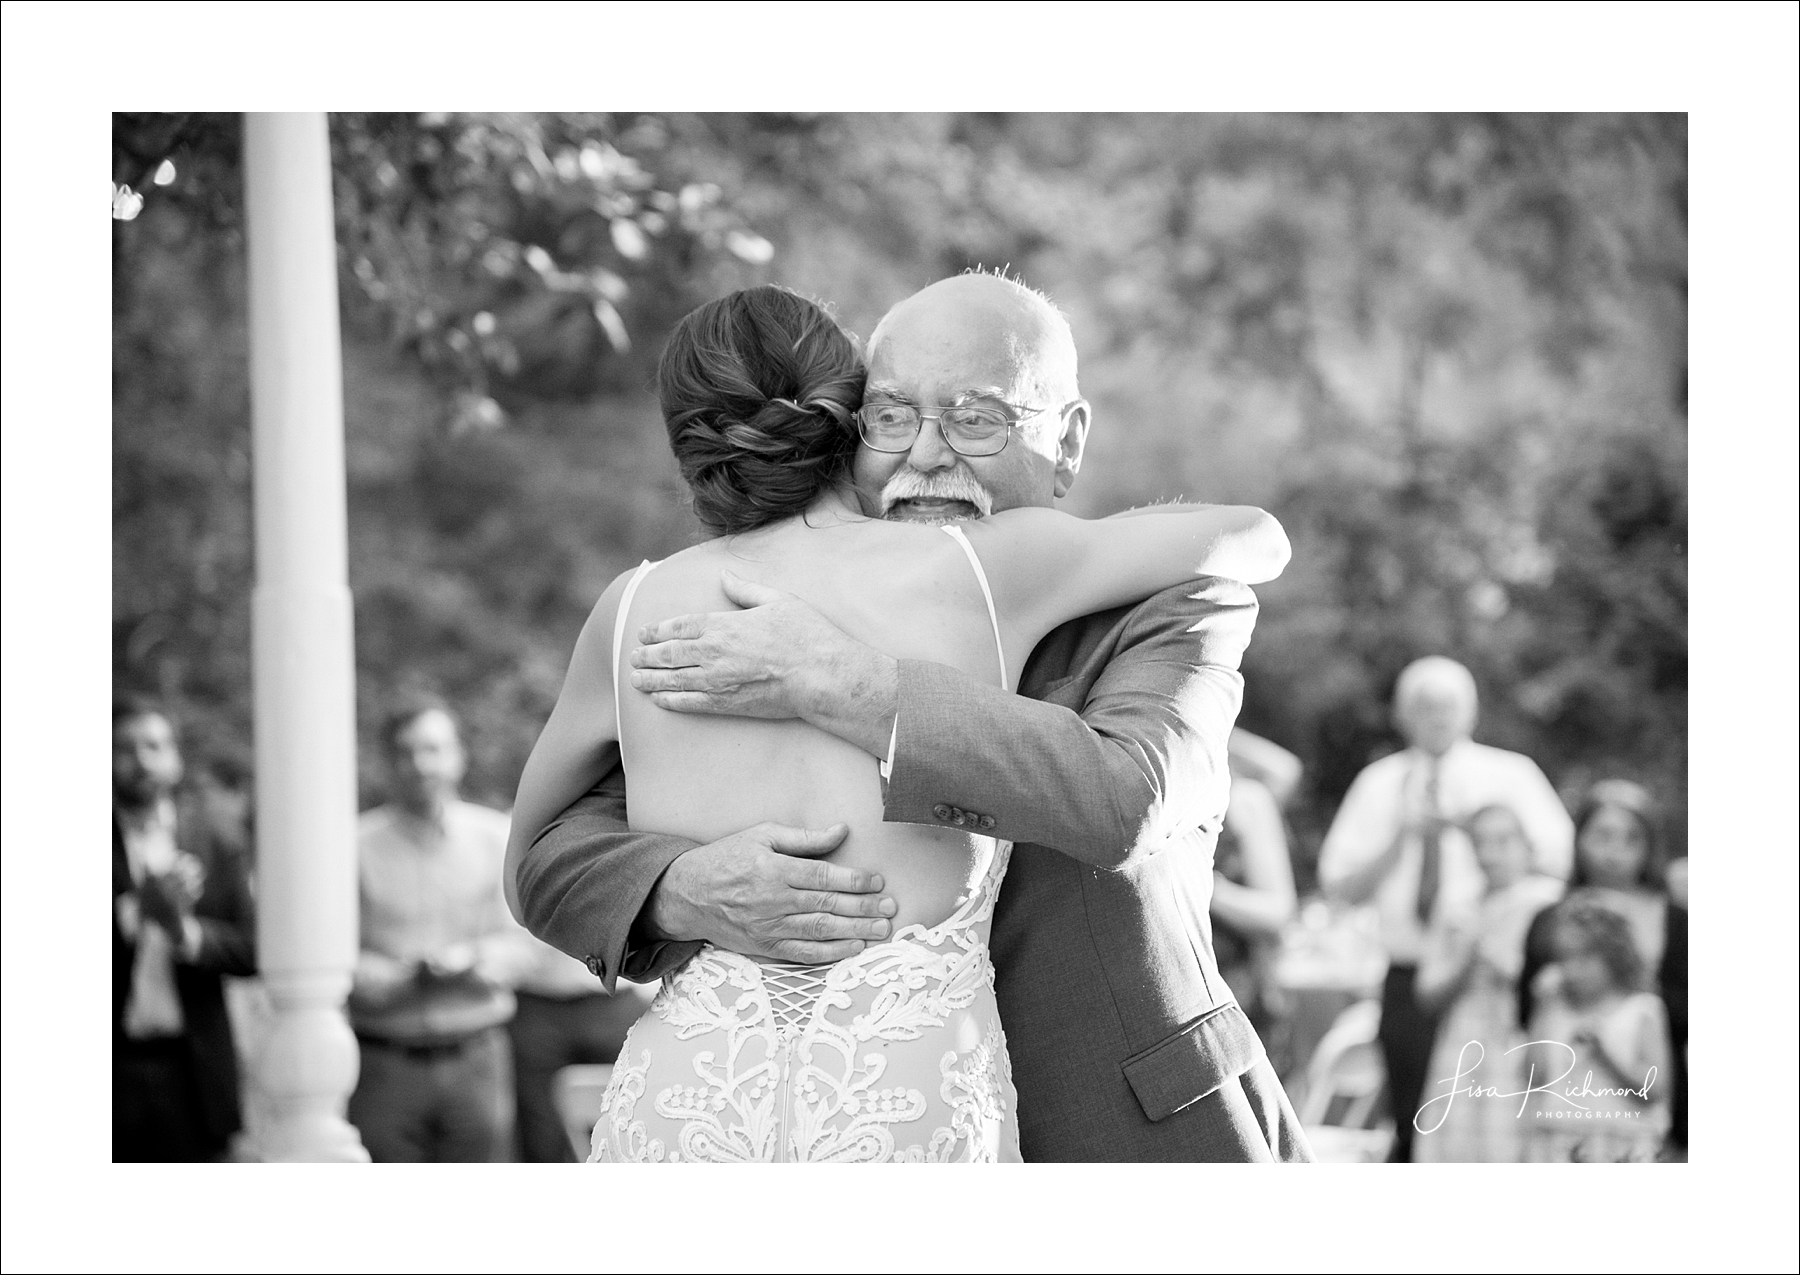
{"points": [[1448, 351]]}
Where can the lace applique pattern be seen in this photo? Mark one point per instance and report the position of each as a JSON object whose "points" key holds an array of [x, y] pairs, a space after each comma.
{"points": [[894, 1055]]}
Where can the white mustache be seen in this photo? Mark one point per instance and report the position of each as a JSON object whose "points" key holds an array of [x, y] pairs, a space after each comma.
{"points": [[943, 484]]}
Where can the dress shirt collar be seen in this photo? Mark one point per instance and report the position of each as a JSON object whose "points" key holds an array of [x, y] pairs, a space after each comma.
{"points": [[426, 831]]}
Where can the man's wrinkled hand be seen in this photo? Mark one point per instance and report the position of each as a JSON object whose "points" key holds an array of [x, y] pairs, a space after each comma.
{"points": [[188, 879], [764, 892], [772, 660]]}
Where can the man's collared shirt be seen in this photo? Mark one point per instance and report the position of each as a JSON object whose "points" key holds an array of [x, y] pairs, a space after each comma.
{"points": [[425, 889], [1470, 776]]}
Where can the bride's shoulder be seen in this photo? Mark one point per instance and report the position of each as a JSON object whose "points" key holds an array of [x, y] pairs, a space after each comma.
{"points": [[1033, 532], [606, 607], [1028, 523], [1028, 516]]}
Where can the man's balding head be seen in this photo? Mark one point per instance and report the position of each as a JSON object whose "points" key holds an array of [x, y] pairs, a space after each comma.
{"points": [[997, 320], [972, 339], [1435, 703]]}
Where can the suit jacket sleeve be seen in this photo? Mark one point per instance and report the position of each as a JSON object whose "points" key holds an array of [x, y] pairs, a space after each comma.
{"points": [[1140, 763], [226, 911], [587, 876]]}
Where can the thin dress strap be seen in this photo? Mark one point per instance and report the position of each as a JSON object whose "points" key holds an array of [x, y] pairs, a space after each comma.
{"points": [[619, 648], [956, 534]]}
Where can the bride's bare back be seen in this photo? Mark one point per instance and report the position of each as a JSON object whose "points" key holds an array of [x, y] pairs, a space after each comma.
{"points": [[904, 589]]}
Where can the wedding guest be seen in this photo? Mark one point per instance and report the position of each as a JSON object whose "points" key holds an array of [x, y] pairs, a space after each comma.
{"points": [[1600, 1046], [1469, 975], [1253, 894], [1397, 841], [182, 917], [565, 1016], [440, 954], [1617, 867], [1251, 756]]}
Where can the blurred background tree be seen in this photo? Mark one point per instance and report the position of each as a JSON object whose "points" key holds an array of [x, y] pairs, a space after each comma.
{"points": [[1448, 351]]}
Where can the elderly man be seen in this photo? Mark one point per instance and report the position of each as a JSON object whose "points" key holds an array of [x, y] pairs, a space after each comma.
{"points": [[440, 955], [1397, 840], [182, 918], [1107, 771]]}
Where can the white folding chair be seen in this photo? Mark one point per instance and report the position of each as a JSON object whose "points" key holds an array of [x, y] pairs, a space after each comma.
{"points": [[1344, 1081]]}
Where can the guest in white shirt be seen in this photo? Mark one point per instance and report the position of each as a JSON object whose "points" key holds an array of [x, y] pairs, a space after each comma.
{"points": [[1398, 842], [440, 957]]}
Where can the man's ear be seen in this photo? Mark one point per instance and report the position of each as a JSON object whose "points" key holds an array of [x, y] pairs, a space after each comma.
{"points": [[1071, 445]]}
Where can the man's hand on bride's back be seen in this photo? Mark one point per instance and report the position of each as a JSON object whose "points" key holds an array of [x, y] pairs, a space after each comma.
{"points": [[762, 892], [777, 658]]}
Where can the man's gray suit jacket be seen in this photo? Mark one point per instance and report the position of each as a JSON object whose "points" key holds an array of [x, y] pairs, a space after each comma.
{"points": [[1126, 1043]]}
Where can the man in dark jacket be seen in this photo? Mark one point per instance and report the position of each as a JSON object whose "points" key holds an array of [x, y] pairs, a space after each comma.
{"points": [[1107, 771], [182, 917]]}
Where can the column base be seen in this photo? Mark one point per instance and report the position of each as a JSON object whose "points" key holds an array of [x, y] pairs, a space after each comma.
{"points": [[306, 1071]]}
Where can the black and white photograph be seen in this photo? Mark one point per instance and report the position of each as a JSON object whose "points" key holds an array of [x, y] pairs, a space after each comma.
{"points": [[1120, 635]]}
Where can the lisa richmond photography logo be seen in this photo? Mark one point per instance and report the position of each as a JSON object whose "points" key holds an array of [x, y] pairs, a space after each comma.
{"points": [[1545, 1096]]}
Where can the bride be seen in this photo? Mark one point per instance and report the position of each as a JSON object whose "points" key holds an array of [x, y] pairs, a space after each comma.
{"points": [[897, 1052]]}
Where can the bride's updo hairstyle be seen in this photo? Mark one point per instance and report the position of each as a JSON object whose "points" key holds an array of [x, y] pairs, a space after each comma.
{"points": [[759, 391]]}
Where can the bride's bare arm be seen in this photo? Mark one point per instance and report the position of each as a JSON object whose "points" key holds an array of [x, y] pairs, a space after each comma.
{"points": [[578, 743], [1047, 567]]}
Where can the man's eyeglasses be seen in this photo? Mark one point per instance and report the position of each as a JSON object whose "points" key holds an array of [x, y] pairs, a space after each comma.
{"points": [[979, 429]]}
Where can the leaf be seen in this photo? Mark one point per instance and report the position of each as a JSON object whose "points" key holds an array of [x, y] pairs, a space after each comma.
{"points": [[612, 325], [476, 414], [628, 237], [695, 196], [609, 285], [126, 203], [749, 247]]}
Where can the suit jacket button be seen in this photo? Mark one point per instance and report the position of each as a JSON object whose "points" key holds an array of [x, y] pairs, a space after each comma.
{"points": [[940, 811], [987, 821], [959, 818]]}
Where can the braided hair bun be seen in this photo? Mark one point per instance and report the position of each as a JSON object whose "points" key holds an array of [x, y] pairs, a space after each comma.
{"points": [[759, 391]]}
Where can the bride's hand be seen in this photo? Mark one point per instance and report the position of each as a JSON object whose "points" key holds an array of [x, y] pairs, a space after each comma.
{"points": [[777, 658]]}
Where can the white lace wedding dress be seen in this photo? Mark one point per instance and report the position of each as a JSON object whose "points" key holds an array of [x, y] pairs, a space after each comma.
{"points": [[895, 1055]]}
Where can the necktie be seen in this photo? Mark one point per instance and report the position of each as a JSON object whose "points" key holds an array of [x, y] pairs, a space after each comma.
{"points": [[1431, 863]]}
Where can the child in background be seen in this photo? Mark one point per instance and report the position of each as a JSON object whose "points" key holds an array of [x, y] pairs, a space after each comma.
{"points": [[1618, 865], [1600, 1047], [1471, 966]]}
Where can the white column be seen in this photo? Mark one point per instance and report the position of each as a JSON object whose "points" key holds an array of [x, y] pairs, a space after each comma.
{"points": [[304, 670]]}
